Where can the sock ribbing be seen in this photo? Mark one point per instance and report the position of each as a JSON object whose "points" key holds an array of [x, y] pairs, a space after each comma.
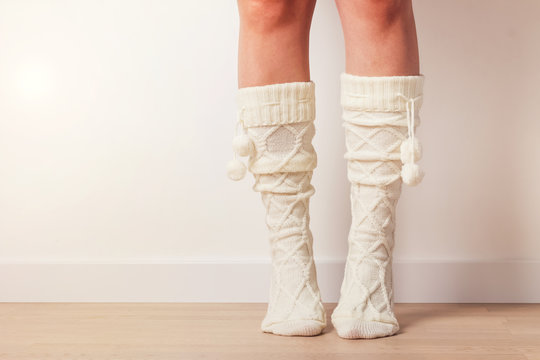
{"points": [[379, 93], [276, 104]]}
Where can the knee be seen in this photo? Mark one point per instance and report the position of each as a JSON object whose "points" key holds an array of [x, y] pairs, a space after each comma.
{"points": [[377, 12], [270, 15]]}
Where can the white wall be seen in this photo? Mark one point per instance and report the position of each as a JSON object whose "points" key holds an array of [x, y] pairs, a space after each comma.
{"points": [[116, 120]]}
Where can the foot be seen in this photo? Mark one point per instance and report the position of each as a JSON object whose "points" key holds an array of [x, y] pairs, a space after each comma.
{"points": [[300, 327], [365, 308], [352, 328], [295, 306]]}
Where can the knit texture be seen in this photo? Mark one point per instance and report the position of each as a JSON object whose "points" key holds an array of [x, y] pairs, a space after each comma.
{"points": [[279, 121], [375, 121]]}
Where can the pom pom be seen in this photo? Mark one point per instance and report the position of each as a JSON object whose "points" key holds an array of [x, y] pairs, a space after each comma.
{"points": [[411, 174], [242, 145], [410, 152], [236, 169]]}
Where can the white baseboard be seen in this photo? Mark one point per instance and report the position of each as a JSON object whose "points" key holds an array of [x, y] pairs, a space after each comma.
{"points": [[248, 281]]}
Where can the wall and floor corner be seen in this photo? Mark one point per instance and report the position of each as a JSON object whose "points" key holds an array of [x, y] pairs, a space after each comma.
{"points": [[115, 128]]}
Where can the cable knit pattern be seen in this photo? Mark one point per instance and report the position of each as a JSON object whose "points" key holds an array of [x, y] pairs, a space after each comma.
{"points": [[376, 124], [278, 119]]}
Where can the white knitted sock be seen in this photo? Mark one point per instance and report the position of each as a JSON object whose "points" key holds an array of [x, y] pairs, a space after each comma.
{"points": [[278, 123], [380, 116]]}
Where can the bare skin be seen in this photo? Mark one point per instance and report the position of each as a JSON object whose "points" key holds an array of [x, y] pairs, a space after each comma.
{"points": [[380, 39], [274, 41]]}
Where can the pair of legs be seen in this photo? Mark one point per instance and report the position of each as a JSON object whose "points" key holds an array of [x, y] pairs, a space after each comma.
{"points": [[380, 39], [380, 91]]}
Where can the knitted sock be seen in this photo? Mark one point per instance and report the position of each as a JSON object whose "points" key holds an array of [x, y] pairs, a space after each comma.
{"points": [[278, 129], [379, 119]]}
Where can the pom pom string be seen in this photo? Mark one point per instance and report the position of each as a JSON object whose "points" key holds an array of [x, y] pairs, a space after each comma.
{"points": [[411, 150]]}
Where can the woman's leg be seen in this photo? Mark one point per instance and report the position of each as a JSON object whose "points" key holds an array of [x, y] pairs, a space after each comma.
{"points": [[380, 37], [380, 92], [276, 107], [274, 41]]}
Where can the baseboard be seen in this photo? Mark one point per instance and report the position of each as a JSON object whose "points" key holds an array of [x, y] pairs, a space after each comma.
{"points": [[248, 281]]}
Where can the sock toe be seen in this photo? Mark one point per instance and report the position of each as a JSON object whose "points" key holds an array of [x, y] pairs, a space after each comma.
{"points": [[350, 328], [295, 328]]}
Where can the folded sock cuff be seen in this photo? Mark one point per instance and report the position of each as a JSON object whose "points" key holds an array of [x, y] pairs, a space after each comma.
{"points": [[380, 93], [276, 104]]}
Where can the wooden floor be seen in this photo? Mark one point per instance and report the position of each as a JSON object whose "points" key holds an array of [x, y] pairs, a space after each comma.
{"points": [[155, 331]]}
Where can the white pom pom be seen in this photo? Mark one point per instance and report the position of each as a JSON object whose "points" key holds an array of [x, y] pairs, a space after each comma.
{"points": [[242, 145], [411, 174], [408, 150], [236, 169]]}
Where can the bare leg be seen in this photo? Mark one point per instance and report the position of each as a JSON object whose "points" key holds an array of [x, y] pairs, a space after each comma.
{"points": [[381, 92], [380, 37], [274, 41], [276, 107]]}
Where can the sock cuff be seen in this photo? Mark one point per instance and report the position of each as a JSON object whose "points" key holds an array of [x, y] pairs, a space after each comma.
{"points": [[380, 93], [275, 104]]}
